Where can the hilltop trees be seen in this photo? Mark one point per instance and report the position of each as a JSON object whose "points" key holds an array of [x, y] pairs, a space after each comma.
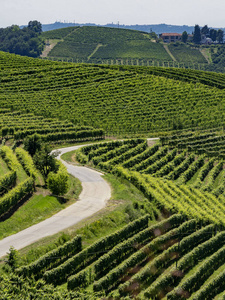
{"points": [[197, 35], [220, 35], [26, 41], [184, 37], [204, 32]]}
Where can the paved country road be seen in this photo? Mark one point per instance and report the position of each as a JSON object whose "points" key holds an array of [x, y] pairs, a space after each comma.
{"points": [[96, 191]]}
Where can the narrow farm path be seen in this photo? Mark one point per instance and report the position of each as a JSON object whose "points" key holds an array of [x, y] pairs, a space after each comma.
{"points": [[168, 51], [96, 191], [51, 44], [96, 49]]}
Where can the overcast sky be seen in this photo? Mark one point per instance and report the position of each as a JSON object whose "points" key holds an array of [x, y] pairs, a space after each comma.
{"points": [[174, 12]]}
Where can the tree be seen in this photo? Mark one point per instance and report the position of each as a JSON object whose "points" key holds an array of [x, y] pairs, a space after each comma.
{"points": [[197, 35], [220, 35], [213, 34], [58, 182], [12, 258], [35, 26], [45, 161], [205, 30], [26, 41], [32, 143], [184, 37]]}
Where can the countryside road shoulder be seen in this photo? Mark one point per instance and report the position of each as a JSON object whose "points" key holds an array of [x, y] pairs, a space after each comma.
{"points": [[96, 191]]}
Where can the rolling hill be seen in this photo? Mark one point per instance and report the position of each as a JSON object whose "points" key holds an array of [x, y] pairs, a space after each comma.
{"points": [[116, 46], [118, 99], [171, 241]]}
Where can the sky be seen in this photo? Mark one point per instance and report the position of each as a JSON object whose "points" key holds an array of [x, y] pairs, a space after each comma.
{"points": [[128, 12]]}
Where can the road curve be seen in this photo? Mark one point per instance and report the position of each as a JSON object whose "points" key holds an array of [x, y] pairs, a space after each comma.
{"points": [[96, 191]]}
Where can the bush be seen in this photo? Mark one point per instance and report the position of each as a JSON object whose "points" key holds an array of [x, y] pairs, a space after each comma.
{"points": [[58, 182]]}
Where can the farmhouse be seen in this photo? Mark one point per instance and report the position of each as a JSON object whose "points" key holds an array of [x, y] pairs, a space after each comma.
{"points": [[170, 37]]}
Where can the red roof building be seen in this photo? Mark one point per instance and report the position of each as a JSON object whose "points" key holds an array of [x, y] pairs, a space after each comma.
{"points": [[170, 37]]}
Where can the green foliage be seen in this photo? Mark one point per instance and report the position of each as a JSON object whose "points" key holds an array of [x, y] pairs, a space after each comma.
{"points": [[15, 195], [197, 35], [27, 162], [57, 183], [7, 181], [184, 37], [32, 144], [24, 41], [52, 258], [12, 258], [58, 33], [84, 258], [186, 54], [67, 91], [114, 43], [9, 157], [44, 161]]}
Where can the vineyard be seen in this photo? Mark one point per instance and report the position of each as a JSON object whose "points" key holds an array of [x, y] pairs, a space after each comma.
{"points": [[123, 99], [185, 54], [18, 126], [172, 245], [180, 256], [119, 46], [16, 185], [113, 43]]}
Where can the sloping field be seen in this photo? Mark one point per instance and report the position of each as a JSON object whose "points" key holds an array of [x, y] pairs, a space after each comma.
{"points": [[180, 255], [114, 44], [180, 261], [185, 54], [117, 99]]}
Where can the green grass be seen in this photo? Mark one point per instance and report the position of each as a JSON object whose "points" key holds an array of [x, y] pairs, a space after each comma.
{"points": [[21, 175], [38, 208], [68, 156], [3, 167]]}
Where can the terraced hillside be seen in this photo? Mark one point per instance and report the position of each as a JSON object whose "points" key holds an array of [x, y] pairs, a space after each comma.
{"points": [[185, 54], [119, 46], [118, 99], [183, 258], [16, 184], [95, 44], [19, 125], [141, 261]]}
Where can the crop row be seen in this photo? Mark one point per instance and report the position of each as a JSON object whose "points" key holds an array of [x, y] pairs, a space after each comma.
{"points": [[52, 258], [85, 257], [21, 191], [71, 98]]}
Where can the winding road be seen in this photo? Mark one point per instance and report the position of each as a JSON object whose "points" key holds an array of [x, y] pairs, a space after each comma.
{"points": [[96, 191]]}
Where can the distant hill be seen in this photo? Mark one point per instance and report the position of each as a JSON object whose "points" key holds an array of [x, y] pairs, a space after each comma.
{"points": [[94, 44], [157, 28]]}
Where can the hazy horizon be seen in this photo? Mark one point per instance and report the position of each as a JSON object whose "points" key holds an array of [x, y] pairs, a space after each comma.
{"points": [[101, 12]]}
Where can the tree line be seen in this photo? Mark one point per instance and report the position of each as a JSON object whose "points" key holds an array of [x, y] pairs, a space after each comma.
{"points": [[200, 34], [25, 41]]}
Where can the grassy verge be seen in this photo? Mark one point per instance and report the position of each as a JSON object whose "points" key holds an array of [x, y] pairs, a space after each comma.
{"points": [[39, 207], [3, 167], [126, 204]]}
